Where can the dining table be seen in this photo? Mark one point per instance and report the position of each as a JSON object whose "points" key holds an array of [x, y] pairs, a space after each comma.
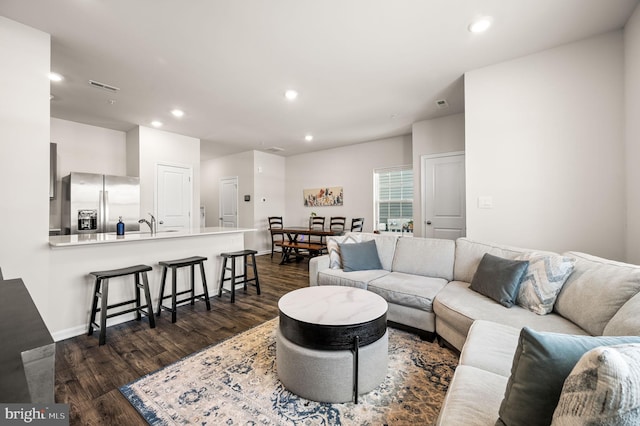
{"points": [[299, 243]]}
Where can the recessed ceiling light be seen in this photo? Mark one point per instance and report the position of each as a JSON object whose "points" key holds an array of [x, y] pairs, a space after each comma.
{"points": [[480, 25], [156, 123], [54, 76], [177, 113], [308, 138], [291, 94]]}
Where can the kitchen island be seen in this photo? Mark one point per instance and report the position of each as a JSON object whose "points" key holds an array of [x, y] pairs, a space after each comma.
{"points": [[72, 257]]}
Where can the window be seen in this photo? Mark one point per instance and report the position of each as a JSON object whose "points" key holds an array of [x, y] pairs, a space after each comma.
{"points": [[393, 198]]}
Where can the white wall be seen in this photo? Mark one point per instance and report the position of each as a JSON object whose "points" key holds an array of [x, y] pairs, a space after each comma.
{"points": [[238, 165], [269, 184], [437, 136], [160, 147], [350, 167], [24, 159], [85, 148], [632, 136], [544, 138]]}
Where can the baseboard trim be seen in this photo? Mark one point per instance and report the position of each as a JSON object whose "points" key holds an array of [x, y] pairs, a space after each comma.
{"points": [[79, 330]]}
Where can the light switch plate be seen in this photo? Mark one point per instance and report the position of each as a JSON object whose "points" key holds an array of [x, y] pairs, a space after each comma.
{"points": [[485, 202]]}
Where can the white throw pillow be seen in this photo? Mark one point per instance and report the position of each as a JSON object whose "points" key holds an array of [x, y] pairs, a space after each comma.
{"points": [[333, 248], [602, 388], [543, 281]]}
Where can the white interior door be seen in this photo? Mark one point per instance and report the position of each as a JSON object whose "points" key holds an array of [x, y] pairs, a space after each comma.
{"points": [[229, 202], [443, 198], [174, 197]]}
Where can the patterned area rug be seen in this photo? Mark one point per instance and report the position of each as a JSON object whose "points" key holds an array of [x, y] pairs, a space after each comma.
{"points": [[235, 383]]}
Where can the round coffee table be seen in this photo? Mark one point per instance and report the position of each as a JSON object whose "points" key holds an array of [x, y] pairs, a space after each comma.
{"points": [[332, 342]]}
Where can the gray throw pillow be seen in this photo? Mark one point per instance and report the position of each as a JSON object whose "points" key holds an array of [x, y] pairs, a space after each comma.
{"points": [[499, 278], [360, 256], [541, 364]]}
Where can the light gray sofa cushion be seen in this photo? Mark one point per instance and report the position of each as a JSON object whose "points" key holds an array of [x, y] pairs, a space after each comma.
{"points": [[473, 398], [626, 322], [429, 257], [459, 306], [596, 290], [386, 245], [413, 291], [359, 279], [469, 254], [490, 346]]}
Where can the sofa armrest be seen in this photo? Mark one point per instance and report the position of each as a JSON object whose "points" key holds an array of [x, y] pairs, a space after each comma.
{"points": [[317, 264]]}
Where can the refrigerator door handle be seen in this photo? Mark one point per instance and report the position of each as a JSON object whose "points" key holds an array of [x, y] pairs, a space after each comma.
{"points": [[105, 209], [100, 211]]}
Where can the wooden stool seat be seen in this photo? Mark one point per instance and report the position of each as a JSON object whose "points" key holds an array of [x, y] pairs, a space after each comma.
{"points": [[101, 291], [238, 279], [174, 265]]}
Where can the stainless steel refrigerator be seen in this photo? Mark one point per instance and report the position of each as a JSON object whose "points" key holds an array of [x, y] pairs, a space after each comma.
{"points": [[93, 203]]}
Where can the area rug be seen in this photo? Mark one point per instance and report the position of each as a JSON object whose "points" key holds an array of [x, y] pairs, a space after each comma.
{"points": [[235, 383]]}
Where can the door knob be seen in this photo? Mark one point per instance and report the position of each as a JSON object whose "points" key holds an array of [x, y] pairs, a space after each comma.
{"points": [[428, 222]]}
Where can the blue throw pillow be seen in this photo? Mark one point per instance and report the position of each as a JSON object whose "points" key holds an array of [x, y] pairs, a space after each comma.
{"points": [[499, 278], [360, 256], [540, 366]]}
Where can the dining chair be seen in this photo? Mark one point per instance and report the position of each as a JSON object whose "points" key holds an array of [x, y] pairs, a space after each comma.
{"points": [[275, 229], [316, 222], [337, 223], [356, 224]]}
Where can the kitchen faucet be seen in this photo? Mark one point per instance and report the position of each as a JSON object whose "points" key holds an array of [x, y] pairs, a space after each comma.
{"points": [[152, 224]]}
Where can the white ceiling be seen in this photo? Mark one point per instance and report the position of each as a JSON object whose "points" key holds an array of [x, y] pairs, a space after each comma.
{"points": [[365, 69]]}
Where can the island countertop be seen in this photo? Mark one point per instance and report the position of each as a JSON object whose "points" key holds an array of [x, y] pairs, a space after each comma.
{"points": [[60, 241]]}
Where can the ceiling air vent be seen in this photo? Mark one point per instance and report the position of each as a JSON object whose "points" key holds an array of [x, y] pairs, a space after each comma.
{"points": [[103, 86], [442, 104], [275, 149]]}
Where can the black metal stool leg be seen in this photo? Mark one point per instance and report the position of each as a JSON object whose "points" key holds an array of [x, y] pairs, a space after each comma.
{"points": [[147, 295], [255, 273], [222, 273], [103, 311], [173, 294], [245, 271], [204, 287], [94, 306], [233, 280], [193, 285], [162, 283], [137, 284]]}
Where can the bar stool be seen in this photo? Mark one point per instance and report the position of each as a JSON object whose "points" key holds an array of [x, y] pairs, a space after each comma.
{"points": [[241, 279], [174, 265], [101, 290]]}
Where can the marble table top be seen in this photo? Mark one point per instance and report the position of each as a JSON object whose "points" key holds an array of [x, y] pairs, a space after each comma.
{"points": [[332, 305]]}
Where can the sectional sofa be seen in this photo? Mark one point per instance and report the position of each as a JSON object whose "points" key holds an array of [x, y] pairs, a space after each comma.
{"points": [[448, 288]]}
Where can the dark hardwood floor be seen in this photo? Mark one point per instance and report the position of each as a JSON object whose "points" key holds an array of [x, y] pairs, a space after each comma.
{"points": [[88, 376]]}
